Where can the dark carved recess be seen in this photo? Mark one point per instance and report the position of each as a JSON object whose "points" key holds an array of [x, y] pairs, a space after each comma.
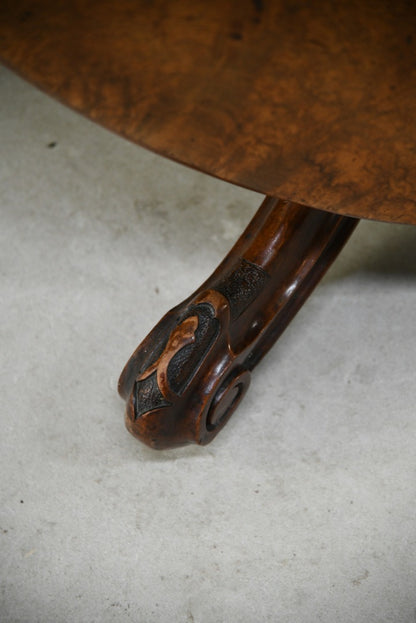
{"points": [[185, 363], [147, 396], [242, 286]]}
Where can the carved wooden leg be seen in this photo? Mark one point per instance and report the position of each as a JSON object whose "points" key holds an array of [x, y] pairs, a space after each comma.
{"points": [[187, 377]]}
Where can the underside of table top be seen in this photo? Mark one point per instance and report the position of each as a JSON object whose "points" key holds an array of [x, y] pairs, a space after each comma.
{"points": [[314, 102]]}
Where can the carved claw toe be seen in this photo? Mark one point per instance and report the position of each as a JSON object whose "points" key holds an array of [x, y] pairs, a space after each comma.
{"points": [[186, 390]]}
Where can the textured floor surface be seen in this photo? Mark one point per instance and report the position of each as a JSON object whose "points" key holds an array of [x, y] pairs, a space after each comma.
{"points": [[302, 510]]}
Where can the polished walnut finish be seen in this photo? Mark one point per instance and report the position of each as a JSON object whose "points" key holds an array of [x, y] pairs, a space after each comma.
{"points": [[312, 102], [185, 380]]}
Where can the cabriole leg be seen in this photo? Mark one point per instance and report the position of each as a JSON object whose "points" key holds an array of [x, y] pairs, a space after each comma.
{"points": [[187, 377]]}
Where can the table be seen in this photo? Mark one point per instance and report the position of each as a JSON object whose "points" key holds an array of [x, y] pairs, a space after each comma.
{"points": [[311, 104]]}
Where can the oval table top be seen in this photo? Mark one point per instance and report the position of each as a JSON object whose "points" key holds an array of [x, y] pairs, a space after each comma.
{"points": [[314, 102]]}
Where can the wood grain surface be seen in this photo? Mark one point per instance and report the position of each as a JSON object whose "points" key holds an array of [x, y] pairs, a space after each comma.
{"points": [[313, 102]]}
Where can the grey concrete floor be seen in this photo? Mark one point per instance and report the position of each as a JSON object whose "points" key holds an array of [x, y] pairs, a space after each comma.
{"points": [[302, 510]]}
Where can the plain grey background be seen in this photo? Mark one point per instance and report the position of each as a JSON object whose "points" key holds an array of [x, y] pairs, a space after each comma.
{"points": [[303, 509]]}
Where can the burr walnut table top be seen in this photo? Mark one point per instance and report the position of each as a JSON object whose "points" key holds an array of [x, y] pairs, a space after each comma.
{"points": [[314, 102]]}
